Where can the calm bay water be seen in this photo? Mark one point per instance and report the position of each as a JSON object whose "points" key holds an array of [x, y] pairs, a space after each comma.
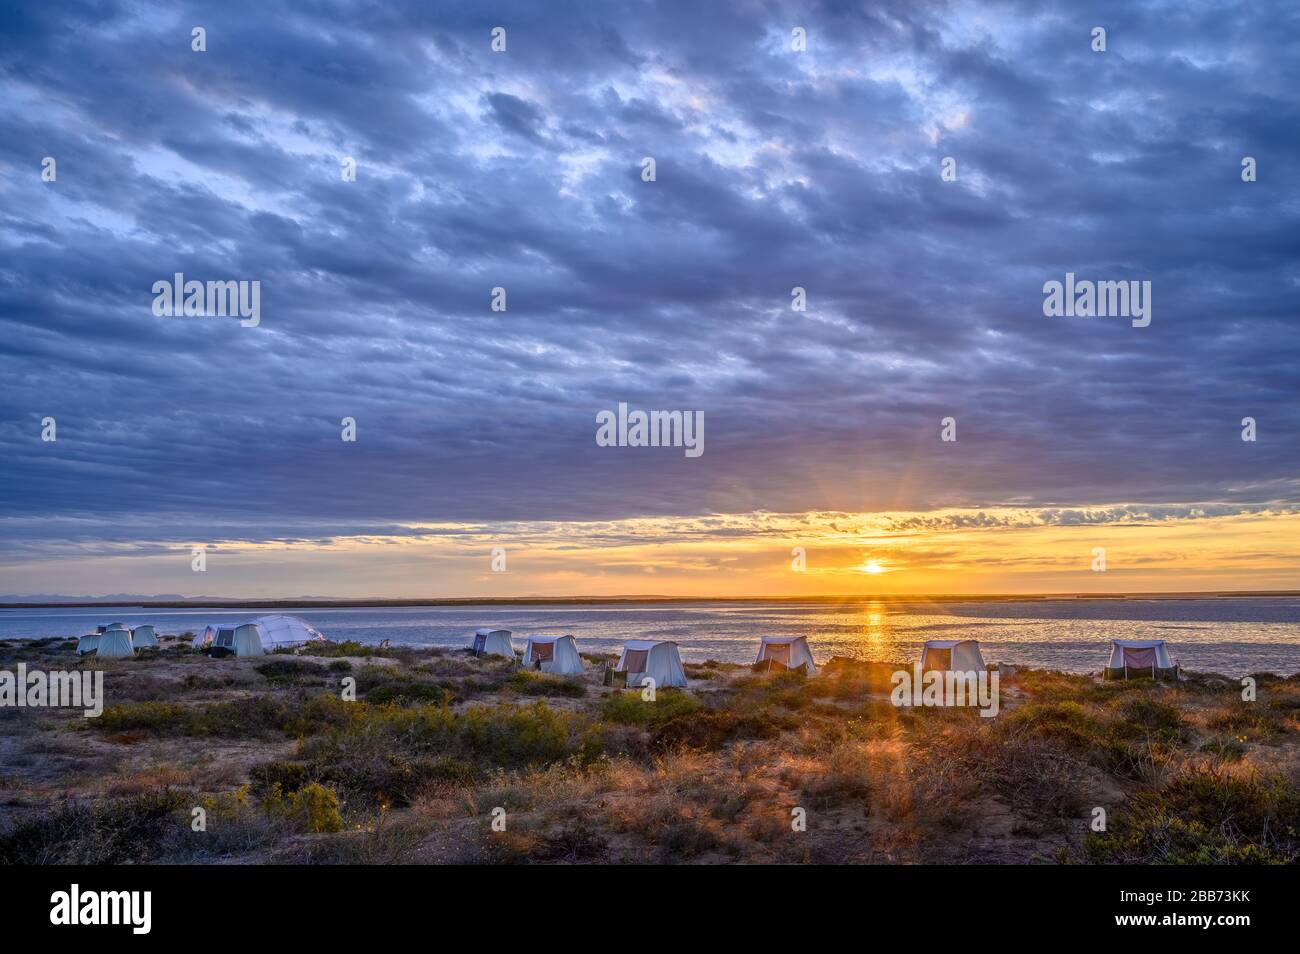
{"points": [[1232, 636]]}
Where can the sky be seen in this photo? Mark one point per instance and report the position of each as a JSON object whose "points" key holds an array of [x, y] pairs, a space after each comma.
{"points": [[824, 465]]}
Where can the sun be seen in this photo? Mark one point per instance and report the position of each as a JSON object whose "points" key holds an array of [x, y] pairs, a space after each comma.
{"points": [[872, 567]]}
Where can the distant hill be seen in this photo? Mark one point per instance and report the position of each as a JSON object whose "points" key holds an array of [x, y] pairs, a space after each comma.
{"points": [[132, 598]]}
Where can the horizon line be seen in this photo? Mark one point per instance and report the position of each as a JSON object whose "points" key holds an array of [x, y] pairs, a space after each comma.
{"points": [[352, 602]]}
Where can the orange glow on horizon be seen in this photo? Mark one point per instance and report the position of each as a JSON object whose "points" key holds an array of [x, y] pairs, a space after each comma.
{"points": [[990, 551]]}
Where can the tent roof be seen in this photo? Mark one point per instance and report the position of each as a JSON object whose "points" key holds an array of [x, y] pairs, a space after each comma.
{"points": [[639, 644], [280, 629], [1138, 643], [539, 638], [947, 643], [778, 640], [487, 631]]}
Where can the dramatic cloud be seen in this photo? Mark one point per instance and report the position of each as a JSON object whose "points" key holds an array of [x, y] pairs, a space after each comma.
{"points": [[522, 170]]}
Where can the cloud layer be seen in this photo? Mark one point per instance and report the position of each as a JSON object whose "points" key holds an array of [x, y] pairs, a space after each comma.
{"points": [[522, 170]]}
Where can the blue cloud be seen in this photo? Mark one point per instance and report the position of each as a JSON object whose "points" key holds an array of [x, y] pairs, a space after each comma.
{"points": [[523, 170]]}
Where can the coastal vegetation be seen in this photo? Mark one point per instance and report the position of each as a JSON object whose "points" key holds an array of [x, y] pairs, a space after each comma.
{"points": [[438, 756]]}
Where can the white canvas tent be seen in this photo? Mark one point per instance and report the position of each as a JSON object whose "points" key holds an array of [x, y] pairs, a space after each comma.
{"points": [[1139, 657], [143, 637], [87, 644], [107, 626], [247, 640], [554, 654], [205, 638], [651, 659], [241, 640], [223, 638], [273, 632], [493, 642], [285, 632], [958, 655], [114, 644], [789, 651]]}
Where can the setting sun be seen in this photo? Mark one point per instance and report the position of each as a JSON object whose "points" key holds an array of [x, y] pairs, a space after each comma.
{"points": [[871, 566]]}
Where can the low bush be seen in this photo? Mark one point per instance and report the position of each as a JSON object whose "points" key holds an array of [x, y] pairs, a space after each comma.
{"points": [[245, 718], [379, 685], [349, 647], [1250, 721], [629, 708], [1142, 716], [291, 671], [711, 731], [485, 736], [528, 683], [1205, 815], [311, 808], [121, 831], [375, 780], [161, 718]]}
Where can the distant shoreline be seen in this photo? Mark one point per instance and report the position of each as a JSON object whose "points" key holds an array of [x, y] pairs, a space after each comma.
{"points": [[649, 600]]}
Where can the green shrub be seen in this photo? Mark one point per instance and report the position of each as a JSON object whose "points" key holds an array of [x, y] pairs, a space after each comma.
{"points": [[162, 718], [1140, 735], [312, 808], [1144, 716], [491, 736], [287, 776], [349, 647], [1251, 721], [375, 779], [628, 707], [235, 719], [241, 719], [384, 684], [1068, 724], [281, 671], [528, 683], [1205, 816], [714, 730]]}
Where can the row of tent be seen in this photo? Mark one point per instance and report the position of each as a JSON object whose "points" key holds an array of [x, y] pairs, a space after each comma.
{"points": [[262, 635], [641, 659], [1128, 657], [659, 659], [117, 640]]}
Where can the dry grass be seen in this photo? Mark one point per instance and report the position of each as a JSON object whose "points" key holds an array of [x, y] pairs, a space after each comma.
{"points": [[741, 767]]}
